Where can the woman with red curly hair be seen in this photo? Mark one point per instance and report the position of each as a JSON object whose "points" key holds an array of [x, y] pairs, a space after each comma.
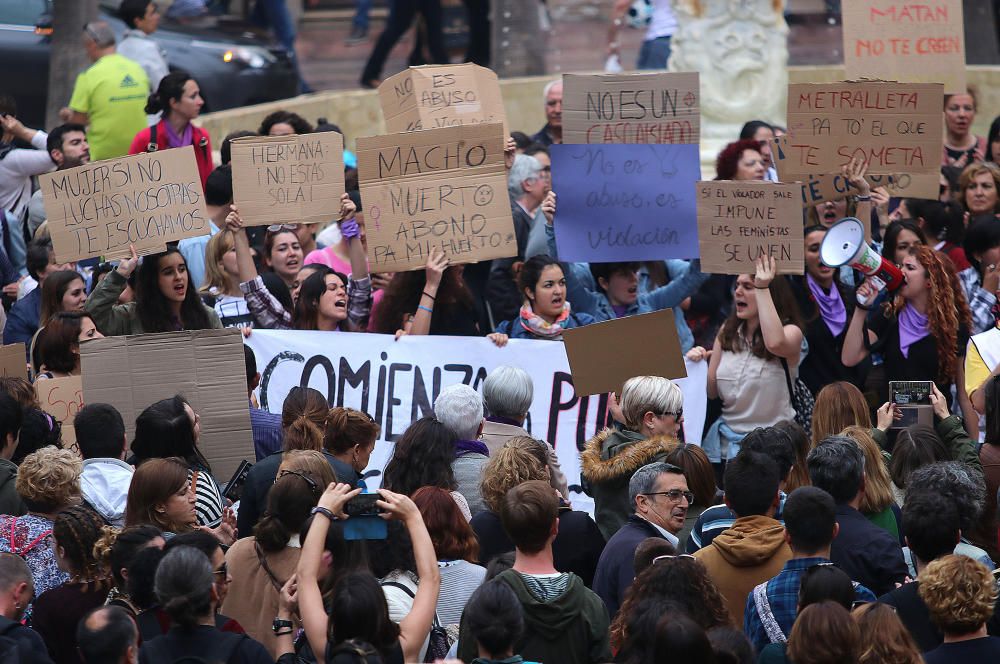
{"points": [[922, 331], [741, 160], [457, 550]]}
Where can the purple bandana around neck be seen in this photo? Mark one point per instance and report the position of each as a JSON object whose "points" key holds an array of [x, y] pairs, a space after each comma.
{"points": [[470, 446], [831, 306], [175, 141], [912, 328]]}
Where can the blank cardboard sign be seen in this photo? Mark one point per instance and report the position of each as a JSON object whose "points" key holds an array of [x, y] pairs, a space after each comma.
{"points": [[146, 199], [204, 366], [602, 356], [288, 179], [437, 188], [13, 363]]}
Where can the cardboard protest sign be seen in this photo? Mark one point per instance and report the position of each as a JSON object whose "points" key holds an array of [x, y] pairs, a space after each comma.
{"points": [[631, 108], [206, 367], [625, 202], [602, 356], [819, 188], [444, 188], [62, 398], [906, 42], [740, 221], [294, 179], [894, 127], [13, 361], [145, 199], [436, 96]]}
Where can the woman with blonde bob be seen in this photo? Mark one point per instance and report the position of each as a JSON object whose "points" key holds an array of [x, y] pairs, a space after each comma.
{"points": [[652, 410], [221, 289], [877, 502], [578, 544], [884, 637], [960, 595], [978, 187], [48, 482]]}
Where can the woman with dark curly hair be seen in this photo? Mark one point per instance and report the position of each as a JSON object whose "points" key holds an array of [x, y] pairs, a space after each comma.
{"points": [[284, 123], [922, 332], [422, 457], [681, 580], [165, 298]]}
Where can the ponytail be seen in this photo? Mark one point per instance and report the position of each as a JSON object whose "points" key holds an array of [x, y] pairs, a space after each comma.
{"points": [[303, 434], [171, 87]]}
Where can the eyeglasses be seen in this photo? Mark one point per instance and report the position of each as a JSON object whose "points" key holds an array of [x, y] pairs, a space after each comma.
{"points": [[223, 571], [277, 228], [678, 416], [671, 556], [674, 495], [313, 485]]}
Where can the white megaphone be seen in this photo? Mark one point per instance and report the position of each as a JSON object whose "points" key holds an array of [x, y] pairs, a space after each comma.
{"points": [[845, 244]]}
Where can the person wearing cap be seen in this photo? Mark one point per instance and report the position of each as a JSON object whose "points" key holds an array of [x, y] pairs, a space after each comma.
{"points": [[109, 97]]}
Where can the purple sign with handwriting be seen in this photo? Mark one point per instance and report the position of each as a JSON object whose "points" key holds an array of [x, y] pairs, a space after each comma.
{"points": [[625, 202]]}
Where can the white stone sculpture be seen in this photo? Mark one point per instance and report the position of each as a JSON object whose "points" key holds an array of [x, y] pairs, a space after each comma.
{"points": [[740, 49]]}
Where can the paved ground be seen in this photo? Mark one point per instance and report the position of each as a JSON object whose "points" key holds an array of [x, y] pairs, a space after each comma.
{"points": [[329, 64]]}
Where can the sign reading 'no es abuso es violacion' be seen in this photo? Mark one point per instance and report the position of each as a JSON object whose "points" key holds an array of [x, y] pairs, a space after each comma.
{"points": [[437, 188], [146, 200], [625, 202], [738, 222], [288, 179]]}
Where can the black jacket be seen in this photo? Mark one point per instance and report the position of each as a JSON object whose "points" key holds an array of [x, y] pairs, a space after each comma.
{"points": [[615, 571]]}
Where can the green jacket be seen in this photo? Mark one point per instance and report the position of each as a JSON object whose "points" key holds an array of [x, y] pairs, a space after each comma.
{"points": [[952, 431], [114, 319], [571, 629], [10, 501], [608, 462]]}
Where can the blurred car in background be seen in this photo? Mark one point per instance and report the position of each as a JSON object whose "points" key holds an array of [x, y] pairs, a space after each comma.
{"points": [[233, 64]]}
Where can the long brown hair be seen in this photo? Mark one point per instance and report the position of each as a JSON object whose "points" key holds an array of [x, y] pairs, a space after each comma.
{"points": [[878, 484], [451, 534], [53, 289], [824, 633], [884, 637], [838, 406], [152, 484], [731, 337], [946, 300], [303, 419]]}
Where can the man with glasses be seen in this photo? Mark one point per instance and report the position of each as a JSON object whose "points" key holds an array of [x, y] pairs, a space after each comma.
{"points": [[660, 496], [810, 528], [754, 549]]}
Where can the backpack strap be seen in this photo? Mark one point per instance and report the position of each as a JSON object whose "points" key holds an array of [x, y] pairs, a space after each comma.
{"points": [[394, 584], [272, 577], [153, 145], [767, 618]]}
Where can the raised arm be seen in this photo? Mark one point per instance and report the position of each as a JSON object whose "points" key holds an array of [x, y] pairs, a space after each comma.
{"points": [[244, 256], [437, 263], [413, 629], [351, 231], [266, 309], [855, 349], [855, 174], [110, 317], [782, 340], [311, 609]]}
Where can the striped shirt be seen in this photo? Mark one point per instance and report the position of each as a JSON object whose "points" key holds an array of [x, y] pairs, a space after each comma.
{"points": [[546, 587], [717, 519], [208, 501], [459, 579]]}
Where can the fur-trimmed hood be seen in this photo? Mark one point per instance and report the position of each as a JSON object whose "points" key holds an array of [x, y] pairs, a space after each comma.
{"points": [[613, 454]]}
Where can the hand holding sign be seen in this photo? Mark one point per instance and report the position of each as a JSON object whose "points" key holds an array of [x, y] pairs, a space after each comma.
{"points": [[127, 266]]}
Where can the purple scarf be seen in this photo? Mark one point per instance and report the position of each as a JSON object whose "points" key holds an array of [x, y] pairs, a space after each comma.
{"points": [[912, 328], [469, 447], [175, 141], [831, 306]]}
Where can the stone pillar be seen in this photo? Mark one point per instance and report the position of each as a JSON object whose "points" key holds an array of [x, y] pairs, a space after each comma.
{"points": [[520, 37], [740, 49]]}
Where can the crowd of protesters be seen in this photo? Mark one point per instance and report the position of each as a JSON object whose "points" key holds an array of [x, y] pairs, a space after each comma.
{"points": [[808, 523]]}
